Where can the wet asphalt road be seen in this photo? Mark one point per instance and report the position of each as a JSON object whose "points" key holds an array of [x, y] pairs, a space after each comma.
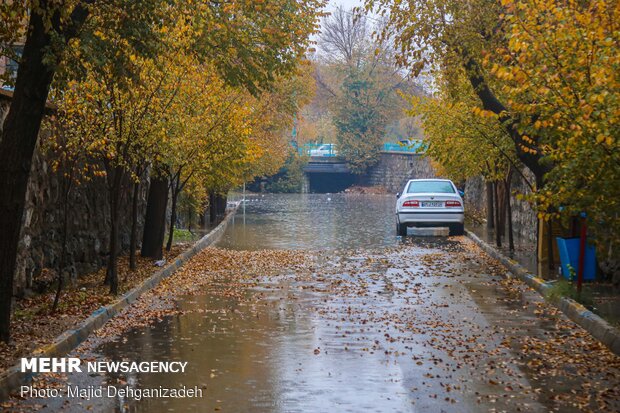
{"points": [[423, 325]]}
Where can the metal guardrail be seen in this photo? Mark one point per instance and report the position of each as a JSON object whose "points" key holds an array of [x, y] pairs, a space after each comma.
{"points": [[414, 147]]}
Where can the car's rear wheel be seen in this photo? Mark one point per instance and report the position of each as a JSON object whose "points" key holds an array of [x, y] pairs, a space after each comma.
{"points": [[401, 229], [457, 229]]}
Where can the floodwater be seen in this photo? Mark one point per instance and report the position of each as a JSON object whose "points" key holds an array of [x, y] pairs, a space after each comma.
{"points": [[312, 221], [385, 325]]}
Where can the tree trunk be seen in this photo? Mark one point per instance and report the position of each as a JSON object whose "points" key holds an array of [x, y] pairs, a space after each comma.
{"points": [[501, 208], [511, 241], [550, 258], [498, 236], [173, 216], [115, 203], [113, 259], [202, 219], [19, 138], [65, 230], [490, 197], [221, 203], [212, 208], [155, 218], [134, 226], [189, 218]]}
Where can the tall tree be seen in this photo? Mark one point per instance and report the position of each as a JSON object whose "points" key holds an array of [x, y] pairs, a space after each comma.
{"points": [[457, 35], [560, 68], [51, 25], [359, 74]]}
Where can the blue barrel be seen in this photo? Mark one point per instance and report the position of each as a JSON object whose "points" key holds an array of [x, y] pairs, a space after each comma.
{"points": [[569, 257]]}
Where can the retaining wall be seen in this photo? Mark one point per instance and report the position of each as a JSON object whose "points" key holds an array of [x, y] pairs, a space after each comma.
{"points": [[394, 170], [88, 224]]}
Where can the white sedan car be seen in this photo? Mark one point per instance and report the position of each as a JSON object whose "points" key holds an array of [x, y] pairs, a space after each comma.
{"points": [[324, 150], [430, 203]]}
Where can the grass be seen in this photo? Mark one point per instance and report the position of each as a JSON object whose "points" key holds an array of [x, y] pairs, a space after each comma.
{"points": [[183, 235], [565, 288]]}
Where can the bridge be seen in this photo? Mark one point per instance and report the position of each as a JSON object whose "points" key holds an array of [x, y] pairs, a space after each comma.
{"points": [[328, 172], [324, 164]]}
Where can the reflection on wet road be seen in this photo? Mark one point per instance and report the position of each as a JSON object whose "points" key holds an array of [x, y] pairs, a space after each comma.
{"points": [[423, 325], [312, 222]]}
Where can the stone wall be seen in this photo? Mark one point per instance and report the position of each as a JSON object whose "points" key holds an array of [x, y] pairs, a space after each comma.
{"points": [[523, 216], [89, 218], [394, 170]]}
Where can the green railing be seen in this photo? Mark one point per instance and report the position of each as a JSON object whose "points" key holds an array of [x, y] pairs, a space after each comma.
{"points": [[413, 147], [330, 149]]}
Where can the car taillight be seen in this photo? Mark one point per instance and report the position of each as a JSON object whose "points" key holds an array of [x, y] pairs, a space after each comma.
{"points": [[415, 204], [453, 203]]}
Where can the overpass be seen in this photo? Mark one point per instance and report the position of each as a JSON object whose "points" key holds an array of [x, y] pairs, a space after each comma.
{"points": [[329, 172], [324, 164]]}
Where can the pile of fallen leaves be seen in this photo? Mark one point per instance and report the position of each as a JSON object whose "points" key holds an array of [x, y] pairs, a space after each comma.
{"points": [[230, 270], [35, 324]]}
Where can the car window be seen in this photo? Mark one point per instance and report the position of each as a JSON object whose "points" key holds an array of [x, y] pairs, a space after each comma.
{"points": [[441, 187]]}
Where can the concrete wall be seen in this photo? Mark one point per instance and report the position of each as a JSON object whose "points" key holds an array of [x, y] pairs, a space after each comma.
{"points": [[395, 169], [89, 217]]}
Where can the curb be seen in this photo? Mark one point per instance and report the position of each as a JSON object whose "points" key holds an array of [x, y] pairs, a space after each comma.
{"points": [[592, 323], [13, 377]]}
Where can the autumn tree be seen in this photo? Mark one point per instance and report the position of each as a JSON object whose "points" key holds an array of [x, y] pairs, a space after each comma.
{"points": [[47, 29], [206, 130], [358, 76], [448, 36], [250, 45], [548, 71], [560, 71], [268, 120]]}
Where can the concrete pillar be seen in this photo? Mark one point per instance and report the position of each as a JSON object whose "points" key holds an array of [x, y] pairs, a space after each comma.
{"points": [[305, 184]]}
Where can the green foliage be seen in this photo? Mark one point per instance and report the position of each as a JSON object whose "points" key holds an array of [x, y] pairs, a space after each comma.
{"points": [[360, 124], [290, 177], [184, 235], [357, 76], [252, 43], [463, 141], [564, 288]]}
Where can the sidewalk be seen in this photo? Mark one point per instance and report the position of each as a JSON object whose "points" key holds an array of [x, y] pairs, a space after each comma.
{"points": [[102, 308], [600, 328], [602, 299]]}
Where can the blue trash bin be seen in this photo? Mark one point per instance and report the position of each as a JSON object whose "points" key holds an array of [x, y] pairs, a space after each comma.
{"points": [[569, 257]]}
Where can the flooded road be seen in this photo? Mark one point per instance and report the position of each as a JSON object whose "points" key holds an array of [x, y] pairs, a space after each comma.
{"points": [[312, 222], [354, 319]]}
